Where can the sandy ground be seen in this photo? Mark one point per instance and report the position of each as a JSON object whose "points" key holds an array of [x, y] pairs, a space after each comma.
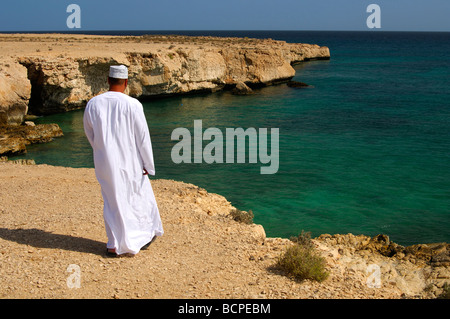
{"points": [[52, 230], [80, 45], [75, 45]]}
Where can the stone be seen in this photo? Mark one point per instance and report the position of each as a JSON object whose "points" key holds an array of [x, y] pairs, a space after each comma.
{"points": [[258, 233], [296, 84], [242, 89], [15, 90], [15, 138], [24, 161], [442, 259]]}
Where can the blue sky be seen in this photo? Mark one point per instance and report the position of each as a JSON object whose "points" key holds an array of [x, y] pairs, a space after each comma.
{"points": [[396, 15]]}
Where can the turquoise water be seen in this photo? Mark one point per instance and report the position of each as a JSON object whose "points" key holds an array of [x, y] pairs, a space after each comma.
{"points": [[365, 150]]}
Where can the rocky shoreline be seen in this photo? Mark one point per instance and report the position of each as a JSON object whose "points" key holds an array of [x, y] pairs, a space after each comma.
{"points": [[52, 218], [15, 138], [51, 73], [42, 74]]}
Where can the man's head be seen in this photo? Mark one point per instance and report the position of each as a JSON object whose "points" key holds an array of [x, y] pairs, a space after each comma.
{"points": [[118, 78]]}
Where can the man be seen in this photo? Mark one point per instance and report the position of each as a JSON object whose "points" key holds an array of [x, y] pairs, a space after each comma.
{"points": [[117, 130]]}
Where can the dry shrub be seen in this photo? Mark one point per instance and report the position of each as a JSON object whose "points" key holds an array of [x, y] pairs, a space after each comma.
{"points": [[242, 216], [302, 262]]}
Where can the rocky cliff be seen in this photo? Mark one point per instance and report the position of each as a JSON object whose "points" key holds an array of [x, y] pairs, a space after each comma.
{"points": [[50, 73]]}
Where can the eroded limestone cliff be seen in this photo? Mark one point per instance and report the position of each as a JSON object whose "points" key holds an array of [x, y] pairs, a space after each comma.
{"points": [[51, 73]]}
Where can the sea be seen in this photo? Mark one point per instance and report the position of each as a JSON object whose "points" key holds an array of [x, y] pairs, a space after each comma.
{"points": [[364, 149]]}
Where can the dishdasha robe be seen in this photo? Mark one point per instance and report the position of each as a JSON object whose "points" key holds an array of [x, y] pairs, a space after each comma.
{"points": [[117, 130]]}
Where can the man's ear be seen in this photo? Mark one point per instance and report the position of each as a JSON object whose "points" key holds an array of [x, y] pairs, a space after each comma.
{"points": [[126, 83]]}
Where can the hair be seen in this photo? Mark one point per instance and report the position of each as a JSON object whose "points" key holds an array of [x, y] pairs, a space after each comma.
{"points": [[115, 81]]}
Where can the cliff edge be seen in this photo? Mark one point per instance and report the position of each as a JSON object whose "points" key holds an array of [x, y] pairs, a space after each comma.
{"points": [[50, 73], [52, 224]]}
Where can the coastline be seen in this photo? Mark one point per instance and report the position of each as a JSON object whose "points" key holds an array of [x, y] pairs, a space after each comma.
{"points": [[42, 74], [52, 218], [52, 73], [52, 215]]}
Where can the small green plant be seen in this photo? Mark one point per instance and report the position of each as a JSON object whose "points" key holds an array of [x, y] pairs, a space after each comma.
{"points": [[301, 261], [303, 239], [242, 216]]}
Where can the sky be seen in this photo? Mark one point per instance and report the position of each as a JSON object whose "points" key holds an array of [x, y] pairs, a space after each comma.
{"points": [[338, 15]]}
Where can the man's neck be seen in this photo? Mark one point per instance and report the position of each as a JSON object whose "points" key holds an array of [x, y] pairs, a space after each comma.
{"points": [[119, 89]]}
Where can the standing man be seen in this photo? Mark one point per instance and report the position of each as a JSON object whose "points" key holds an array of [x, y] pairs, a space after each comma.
{"points": [[117, 130]]}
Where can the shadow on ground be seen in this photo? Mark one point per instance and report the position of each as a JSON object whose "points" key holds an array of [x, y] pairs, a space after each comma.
{"points": [[43, 239]]}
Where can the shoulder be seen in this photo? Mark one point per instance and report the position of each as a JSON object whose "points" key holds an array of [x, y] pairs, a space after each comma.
{"points": [[108, 97], [123, 97], [131, 99], [96, 99], [135, 103]]}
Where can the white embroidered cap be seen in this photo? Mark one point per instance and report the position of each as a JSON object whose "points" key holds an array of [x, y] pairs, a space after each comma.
{"points": [[118, 72]]}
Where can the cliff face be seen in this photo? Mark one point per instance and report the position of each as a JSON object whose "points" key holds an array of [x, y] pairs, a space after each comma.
{"points": [[15, 92], [58, 73]]}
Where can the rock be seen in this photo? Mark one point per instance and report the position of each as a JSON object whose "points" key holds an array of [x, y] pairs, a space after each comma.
{"points": [[12, 146], [402, 269], [15, 138], [258, 233], [242, 89], [442, 259], [15, 90], [296, 84], [43, 133], [382, 245], [436, 254], [24, 161]]}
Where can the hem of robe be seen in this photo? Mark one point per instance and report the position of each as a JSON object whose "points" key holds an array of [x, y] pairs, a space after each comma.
{"points": [[156, 233]]}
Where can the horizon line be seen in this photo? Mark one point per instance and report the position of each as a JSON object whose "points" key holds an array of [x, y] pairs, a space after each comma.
{"points": [[216, 30]]}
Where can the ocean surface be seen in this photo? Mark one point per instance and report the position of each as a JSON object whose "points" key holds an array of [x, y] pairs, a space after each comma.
{"points": [[364, 150]]}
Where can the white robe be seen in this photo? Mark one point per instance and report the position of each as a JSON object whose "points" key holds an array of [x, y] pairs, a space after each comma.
{"points": [[117, 130]]}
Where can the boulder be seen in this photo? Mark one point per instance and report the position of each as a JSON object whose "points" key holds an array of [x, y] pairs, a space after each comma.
{"points": [[242, 89], [15, 138], [296, 84], [15, 91]]}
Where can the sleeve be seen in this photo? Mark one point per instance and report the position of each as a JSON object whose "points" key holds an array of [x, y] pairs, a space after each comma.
{"points": [[143, 141], [87, 124]]}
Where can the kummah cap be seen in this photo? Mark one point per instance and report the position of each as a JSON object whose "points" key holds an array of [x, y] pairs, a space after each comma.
{"points": [[118, 72]]}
